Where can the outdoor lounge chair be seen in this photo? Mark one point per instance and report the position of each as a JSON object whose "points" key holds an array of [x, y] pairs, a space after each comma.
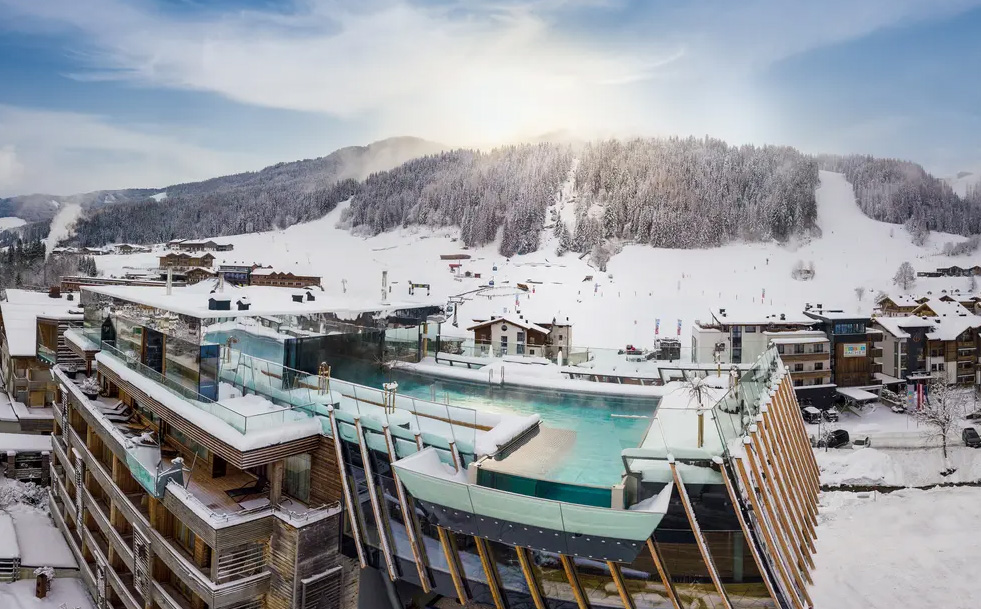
{"points": [[259, 486]]}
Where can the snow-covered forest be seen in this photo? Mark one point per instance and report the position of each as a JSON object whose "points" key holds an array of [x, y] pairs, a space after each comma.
{"points": [[666, 192], [902, 192], [507, 188]]}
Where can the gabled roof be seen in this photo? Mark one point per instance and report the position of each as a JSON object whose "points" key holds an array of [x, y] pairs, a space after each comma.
{"points": [[527, 325], [895, 325]]}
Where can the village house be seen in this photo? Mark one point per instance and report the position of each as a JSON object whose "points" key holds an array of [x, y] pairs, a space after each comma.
{"points": [[32, 327], [186, 261], [190, 245], [198, 274], [509, 335], [279, 279]]}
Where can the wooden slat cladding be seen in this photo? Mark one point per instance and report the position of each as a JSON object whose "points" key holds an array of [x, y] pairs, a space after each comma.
{"points": [[240, 459], [282, 564], [258, 529], [325, 477], [297, 554]]}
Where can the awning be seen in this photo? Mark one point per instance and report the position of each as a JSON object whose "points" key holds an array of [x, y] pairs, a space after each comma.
{"points": [[857, 395]]}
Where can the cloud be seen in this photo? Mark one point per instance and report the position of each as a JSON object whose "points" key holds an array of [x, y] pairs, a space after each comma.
{"points": [[11, 169], [467, 71], [65, 153]]}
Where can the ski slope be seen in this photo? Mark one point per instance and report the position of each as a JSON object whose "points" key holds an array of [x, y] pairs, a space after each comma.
{"points": [[642, 283]]}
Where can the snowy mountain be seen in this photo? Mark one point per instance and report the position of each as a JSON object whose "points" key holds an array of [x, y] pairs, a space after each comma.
{"points": [[642, 284]]}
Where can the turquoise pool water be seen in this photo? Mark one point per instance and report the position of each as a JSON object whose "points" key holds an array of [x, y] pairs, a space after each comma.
{"points": [[603, 425]]}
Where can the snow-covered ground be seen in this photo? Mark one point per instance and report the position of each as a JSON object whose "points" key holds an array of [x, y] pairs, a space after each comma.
{"points": [[65, 593], [615, 308], [11, 222], [910, 548]]}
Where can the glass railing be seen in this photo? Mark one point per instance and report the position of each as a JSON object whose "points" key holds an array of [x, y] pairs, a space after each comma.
{"points": [[243, 416], [738, 409], [531, 511]]}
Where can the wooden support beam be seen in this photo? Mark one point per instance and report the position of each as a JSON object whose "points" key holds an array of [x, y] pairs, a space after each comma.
{"points": [[492, 574], [699, 537], [784, 538], [774, 473], [779, 455], [662, 570], [452, 561], [748, 534], [410, 529], [790, 419], [781, 437], [777, 550], [533, 586], [373, 499], [617, 575], [348, 497], [570, 574], [277, 469]]}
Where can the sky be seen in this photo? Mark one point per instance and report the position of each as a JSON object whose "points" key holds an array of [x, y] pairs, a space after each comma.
{"points": [[106, 94]]}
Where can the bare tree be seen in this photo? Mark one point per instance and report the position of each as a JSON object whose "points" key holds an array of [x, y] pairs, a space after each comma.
{"points": [[941, 411], [860, 291], [905, 277]]}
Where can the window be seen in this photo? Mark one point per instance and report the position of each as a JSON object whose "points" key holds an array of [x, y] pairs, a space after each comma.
{"points": [[819, 365], [504, 344], [521, 342], [849, 327], [798, 383], [297, 477], [780, 349], [737, 355], [819, 348], [799, 348], [750, 329], [798, 367]]}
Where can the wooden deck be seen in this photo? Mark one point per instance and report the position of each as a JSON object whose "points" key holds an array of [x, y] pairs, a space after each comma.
{"points": [[211, 491]]}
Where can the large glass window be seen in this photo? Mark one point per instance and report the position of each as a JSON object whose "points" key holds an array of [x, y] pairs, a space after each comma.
{"points": [[297, 478]]}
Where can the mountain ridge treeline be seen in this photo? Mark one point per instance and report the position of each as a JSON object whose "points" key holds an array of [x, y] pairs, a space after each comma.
{"points": [[666, 192]]}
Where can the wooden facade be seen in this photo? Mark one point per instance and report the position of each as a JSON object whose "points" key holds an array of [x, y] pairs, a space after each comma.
{"points": [[186, 261], [283, 280], [269, 557]]}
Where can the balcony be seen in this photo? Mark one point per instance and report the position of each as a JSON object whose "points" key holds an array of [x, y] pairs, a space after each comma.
{"points": [[789, 358]]}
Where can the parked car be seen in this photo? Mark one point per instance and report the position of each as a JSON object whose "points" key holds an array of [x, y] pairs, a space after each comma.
{"points": [[810, 414], [831, 415], [837, 438], [971, 437]]}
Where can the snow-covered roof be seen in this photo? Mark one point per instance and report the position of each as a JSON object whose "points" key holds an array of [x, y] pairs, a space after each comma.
{"points": [[22, 442], [901, 300], [833, 314], [859, 395], [265, 300], [798, 340], [20, 312], [272, 271], [895, 325], [758, 315], [527, 325]]}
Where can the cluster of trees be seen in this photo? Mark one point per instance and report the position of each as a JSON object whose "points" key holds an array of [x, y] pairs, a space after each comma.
{"points": [[508, 189], [679, 193], [276, 197], [689, 193], [902, 192], [23, 264], [241, 209], [968, 246]]}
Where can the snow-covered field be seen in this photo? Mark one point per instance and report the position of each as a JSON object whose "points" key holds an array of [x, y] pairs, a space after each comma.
{"points": [[910, 548], [11, 222], [615, 308]]}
